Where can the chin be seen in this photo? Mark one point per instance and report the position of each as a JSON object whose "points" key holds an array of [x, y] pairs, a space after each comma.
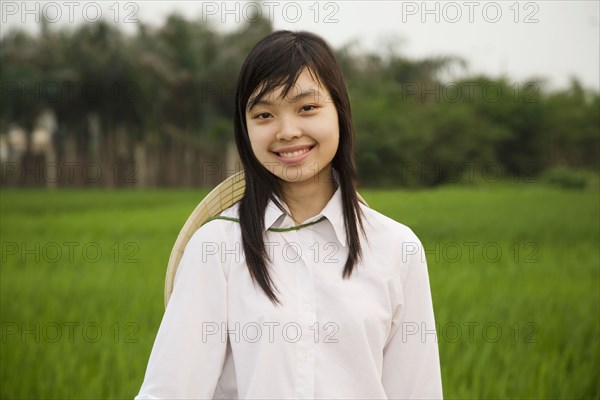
{"points": [[294, 174]]}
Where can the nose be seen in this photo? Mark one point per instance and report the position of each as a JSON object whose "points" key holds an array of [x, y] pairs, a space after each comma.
{"points": [[288, 129]]}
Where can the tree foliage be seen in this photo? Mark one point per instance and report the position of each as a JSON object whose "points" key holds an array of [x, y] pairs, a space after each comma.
{"points": [[172, 87]]}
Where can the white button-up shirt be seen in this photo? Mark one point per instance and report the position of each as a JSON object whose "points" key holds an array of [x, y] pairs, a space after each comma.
{"points": [[371, 336]]}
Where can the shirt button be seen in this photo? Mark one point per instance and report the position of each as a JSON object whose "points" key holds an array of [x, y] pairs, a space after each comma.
{"points": [[307, 307]]}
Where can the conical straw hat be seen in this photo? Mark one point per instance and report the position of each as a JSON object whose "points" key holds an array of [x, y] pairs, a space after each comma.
{"points": [[220, 198]]}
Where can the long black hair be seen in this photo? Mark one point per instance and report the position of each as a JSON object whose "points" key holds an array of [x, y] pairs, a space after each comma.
{"points": [[276, 61]]}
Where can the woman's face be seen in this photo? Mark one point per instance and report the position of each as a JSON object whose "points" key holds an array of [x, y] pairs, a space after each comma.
{"points": [[296, 137]]}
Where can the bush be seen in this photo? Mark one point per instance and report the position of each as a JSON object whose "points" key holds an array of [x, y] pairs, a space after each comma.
{"points": [[568, 178]]}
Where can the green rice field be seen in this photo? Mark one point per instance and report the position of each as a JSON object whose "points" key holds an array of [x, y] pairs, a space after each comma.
{"points": [[514, 272]]}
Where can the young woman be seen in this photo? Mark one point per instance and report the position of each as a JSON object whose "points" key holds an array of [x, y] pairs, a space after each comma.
{"points": [[298, 290]]}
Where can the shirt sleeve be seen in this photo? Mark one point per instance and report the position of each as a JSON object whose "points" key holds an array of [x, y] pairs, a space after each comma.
{"points": [[190, 347], [411, 364]]}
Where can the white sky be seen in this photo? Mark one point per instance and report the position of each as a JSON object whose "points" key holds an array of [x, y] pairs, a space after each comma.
{"points": [[524, 39]]}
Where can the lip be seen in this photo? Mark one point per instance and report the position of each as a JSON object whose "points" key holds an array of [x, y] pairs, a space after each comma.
{"points": [[293, 160], [291, 149]]}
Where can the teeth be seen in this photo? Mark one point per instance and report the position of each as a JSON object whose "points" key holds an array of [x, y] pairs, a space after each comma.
{"points": [[295, 153]]}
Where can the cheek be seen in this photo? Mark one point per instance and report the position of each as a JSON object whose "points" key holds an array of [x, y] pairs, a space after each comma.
{"points": [[257, 141], [333, 128], [256, 148], [337, 140], [337, 131], [334, 133], [335, 145]]}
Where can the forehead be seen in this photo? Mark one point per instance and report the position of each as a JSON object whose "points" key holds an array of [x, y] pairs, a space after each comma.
{"points": [[307, 81]]}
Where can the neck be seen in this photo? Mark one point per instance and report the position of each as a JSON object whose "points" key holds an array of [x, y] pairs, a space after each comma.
{"points": [[306, 199]]}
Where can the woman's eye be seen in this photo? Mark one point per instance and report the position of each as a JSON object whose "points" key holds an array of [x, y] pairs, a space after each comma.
{"points": [[264, 115], [308, 107]]}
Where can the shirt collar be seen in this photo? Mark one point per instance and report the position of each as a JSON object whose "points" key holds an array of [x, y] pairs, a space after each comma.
{"points": [[333, 211]]}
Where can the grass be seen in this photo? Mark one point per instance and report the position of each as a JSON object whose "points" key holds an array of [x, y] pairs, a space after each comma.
{"points": [[514, 272]]}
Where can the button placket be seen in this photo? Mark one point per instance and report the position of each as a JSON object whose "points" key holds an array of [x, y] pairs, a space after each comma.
{"points": [[306, 319]]}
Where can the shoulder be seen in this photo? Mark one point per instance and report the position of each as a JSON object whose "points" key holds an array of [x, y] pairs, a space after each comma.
{"points": [[219, 228], [392, 242], [385, 228], [212, 241], [232, 211]]}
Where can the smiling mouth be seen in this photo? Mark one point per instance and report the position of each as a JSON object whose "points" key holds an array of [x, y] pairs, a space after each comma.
{"points": [[295, 153]]}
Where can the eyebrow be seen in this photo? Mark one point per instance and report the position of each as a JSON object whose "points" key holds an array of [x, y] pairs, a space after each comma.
{"points": [[311, 92]]}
